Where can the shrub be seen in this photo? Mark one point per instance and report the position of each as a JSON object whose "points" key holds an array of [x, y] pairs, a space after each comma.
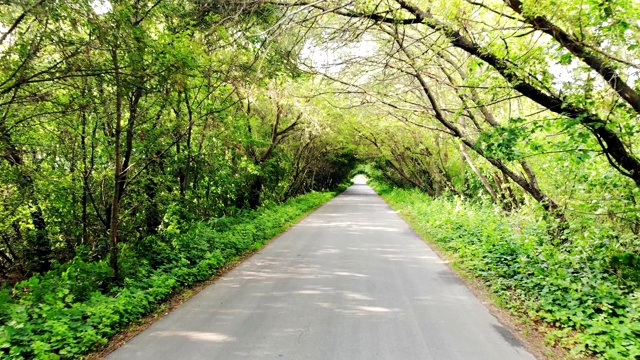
{"points": [[74, 308], [585, 290]]}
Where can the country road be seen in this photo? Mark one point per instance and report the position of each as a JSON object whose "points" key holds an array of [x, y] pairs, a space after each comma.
{"points": [[351, 281]]}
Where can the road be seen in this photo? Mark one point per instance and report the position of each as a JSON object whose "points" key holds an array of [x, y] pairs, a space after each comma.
{"points": [[351, 281]]}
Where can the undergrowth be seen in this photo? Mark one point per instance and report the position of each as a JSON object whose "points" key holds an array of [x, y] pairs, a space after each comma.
{"points": [[585, 294], [75, 308]]}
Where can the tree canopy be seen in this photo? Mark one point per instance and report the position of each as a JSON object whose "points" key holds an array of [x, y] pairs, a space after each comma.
{"points": [[123, 120]]}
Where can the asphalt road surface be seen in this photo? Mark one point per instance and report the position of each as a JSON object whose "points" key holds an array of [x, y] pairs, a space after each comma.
{"points": [[351, 281]]}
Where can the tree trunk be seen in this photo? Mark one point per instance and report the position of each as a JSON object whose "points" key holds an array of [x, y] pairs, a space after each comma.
{"points": [[255, 192], [40, 247], [117, 175], [483, 179], [152, 214]]}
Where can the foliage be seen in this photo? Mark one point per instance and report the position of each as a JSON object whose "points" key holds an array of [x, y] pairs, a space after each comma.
{"points": [[75, 308], [144, 133], [586, 293], [122, 119]]}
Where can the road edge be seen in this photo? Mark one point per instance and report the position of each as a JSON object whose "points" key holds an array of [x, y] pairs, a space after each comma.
{"points": [[176, 300], [532, 339]]}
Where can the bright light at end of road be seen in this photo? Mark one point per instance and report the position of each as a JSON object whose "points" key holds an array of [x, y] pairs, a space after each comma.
{"points": [[360, 180]]}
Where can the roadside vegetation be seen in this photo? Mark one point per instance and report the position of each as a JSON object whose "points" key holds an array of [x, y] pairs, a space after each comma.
{"points": [[583, 296], [144, 144], [75, 307]]}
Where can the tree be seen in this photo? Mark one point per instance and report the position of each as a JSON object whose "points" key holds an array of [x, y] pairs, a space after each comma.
{"points": [[407, 14]]}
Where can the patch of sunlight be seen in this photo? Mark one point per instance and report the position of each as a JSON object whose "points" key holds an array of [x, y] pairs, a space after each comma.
{"points": [[101, 7], [308, 292], [344, 273], [197, 335], [373, 309], [355, 296]]}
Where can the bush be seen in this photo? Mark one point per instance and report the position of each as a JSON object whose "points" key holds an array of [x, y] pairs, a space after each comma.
{"points": [[585, 290], [74, 308]]}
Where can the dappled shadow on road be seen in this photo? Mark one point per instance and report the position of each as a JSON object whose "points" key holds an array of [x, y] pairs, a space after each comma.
{"points": [[351, 225], [507, 335], [353, 267], [359, 190], [358, 311], [339, 223], [449, 277]]}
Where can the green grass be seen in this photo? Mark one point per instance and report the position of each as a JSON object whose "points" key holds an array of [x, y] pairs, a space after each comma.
{"points": [[75, 308], [576, 291]]}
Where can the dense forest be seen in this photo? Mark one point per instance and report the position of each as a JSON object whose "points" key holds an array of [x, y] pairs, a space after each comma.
{"points": [[144, 144]]}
